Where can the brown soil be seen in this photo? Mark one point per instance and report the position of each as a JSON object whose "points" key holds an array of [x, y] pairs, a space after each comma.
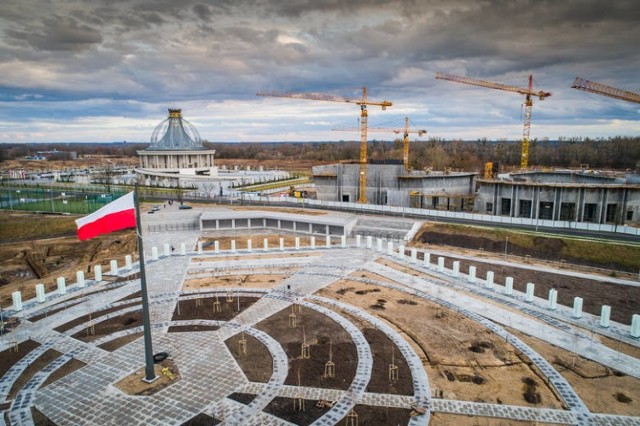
{"points": [[115, 344], [446, 419], [104, 328], [284, 408], [191, 328], [10, 356], [368, 414], [134, 385], [598, 386], [321, 333], [56, 257], [463, 360], [385, 353], [85, 318], [66, 369], [201, 420], [623, 299], [203, 308], [251, 281], [256, 362], [38, 364]]}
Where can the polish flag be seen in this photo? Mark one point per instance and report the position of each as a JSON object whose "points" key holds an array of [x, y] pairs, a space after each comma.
{"points": [[117, 215]]}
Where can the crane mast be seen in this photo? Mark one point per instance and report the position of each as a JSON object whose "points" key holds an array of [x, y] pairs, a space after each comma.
{"points": [[604, 90], [528, 103], [362, 102], [405, 137]]}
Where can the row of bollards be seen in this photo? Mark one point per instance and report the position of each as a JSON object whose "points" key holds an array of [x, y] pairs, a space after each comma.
{"points": [[552, 301], [61, 282]]}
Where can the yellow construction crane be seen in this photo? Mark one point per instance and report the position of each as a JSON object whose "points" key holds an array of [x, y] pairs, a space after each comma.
{"points": [[405, 137], [604, 90], [363, 102], [528, 104]]}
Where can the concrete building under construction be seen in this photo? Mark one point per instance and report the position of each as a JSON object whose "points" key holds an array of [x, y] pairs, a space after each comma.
{"points": [[389, 184], [561, 195]]}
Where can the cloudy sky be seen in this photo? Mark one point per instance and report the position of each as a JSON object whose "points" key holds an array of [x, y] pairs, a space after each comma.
{"points": [[106, 70]]}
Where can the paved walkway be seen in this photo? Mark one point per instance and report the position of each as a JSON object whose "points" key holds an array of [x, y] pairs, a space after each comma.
{"points": [[209, 371]]}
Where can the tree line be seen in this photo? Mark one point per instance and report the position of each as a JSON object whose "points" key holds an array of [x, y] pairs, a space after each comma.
{"points": [[622, 153]]}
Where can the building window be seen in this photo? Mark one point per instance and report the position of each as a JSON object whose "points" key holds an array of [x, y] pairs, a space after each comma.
{"points": [[434, 202], [546, 210], [630, 215], [525, 208], [505, 207], [345, 198], [489, 207], [567, 211], [590, 212], [612, 210]]}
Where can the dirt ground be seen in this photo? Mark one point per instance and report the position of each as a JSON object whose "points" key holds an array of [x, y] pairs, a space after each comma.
{"points": [[323, 336], [255, 360], [249, 281], [601, 388], [27, 263], [463, 360], [204, 308], [167, 374]]}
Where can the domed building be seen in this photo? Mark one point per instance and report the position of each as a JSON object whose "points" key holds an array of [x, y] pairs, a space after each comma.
{"points": [[177, 158], [176, 149]]}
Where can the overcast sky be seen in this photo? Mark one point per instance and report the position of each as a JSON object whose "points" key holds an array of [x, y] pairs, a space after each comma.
{"points": [[107, 70]]}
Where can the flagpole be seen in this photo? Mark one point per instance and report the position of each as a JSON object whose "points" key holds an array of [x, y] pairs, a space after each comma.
{"points": [[150, 374]]}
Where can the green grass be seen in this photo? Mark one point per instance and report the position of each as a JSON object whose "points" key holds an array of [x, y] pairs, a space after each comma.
{"points": [[25, 225], [593, 251]]}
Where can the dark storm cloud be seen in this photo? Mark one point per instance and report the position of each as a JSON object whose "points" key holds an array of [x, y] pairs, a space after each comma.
{"points": [[202, 11], [58, 33]]}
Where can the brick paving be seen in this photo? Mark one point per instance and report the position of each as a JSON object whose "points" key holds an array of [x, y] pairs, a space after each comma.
{"points": [[209, 371]]}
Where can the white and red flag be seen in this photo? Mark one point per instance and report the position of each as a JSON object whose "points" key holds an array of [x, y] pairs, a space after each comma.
{"points": [[117, 215]]}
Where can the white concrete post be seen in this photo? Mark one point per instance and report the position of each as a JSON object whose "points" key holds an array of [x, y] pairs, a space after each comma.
{"points": [[281, 244], [62, 285], [128, 262], [577, 307], [249, 246], [414, 255], [154, 253], [167, 249], [265, 244], [114, 267], [358, 240], [440, 264], [635, 325], [297, 243], [427, 260], [390, 248], [343, 241], [16, 296], [379, 245], [472, 274], [401, 252], [328, 241], [216, 247], [605, 313], [369, 241], [456, 268], [80, 278], [40, 297], [97, 271], [199, 247], [553, 299], [489, 281], [508, 286], [183, 249], [313, 243], [233, 246], [529, 295]]}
